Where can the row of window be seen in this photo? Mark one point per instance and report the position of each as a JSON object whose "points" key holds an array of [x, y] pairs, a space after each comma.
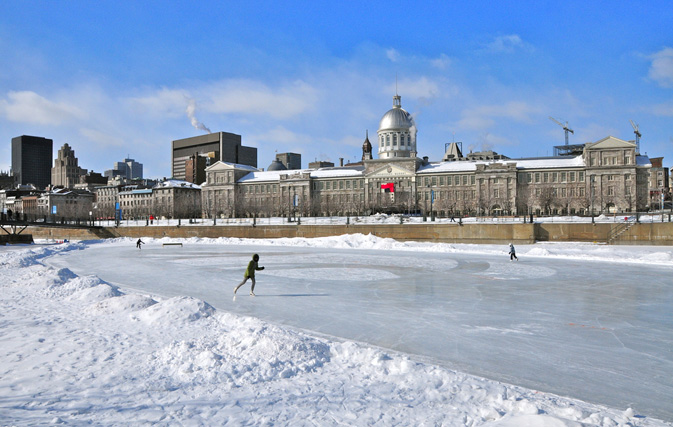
{"points": [[455, 180], [562, 192], [385, 141], [610, 159], [449, 180], [552, 177]]}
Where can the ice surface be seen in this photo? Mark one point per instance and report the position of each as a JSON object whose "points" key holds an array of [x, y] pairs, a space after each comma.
{"points": [[585, 321]]}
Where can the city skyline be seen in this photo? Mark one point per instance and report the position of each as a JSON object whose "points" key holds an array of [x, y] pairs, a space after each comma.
{"points": [[109, 79]]}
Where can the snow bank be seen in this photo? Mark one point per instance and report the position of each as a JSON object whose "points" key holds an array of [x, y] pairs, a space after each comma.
{"points": [[654, 255], [77, 350]]}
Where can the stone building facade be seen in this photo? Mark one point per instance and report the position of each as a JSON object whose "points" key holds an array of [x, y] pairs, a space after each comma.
{"points": [[167, 199], [609, 176]]}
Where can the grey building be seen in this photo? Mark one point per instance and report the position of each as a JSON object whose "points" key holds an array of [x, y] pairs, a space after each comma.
{"points": [[289, 160], [31, 160], [607, 176], [220, 146], [320, 164], [129, 169]]}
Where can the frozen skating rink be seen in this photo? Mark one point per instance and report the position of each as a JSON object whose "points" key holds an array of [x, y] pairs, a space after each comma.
{"points": [[595, 330]]}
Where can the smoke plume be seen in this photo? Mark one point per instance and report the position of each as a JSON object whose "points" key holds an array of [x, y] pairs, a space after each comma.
{"points": [[191, 108]]}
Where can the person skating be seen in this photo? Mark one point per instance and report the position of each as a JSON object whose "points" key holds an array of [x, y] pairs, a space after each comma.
{"points": [[250, 274], [138, 243], [512, 253]]}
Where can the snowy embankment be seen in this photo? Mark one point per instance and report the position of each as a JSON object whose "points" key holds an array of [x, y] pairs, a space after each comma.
{"points": [[77, 350], [655, 255]]}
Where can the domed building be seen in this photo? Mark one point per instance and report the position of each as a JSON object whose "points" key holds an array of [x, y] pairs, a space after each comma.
{"points": [[276, 165], [399, 181], [397, 132]]}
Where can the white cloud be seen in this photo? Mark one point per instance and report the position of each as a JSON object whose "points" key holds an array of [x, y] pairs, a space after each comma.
{"points": [[507, 44], [483, 116], [475, 122], [393, 55], [280, 136], [256, 98], [103, 139], [32, 108], [665, 110], [443, 62], [661, 69], [162, 103], [422, 87]]}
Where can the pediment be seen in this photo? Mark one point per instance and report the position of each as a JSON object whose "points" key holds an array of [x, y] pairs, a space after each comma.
{"points": [[389, 170], [225, 166], [219, 166], [611, 142]]}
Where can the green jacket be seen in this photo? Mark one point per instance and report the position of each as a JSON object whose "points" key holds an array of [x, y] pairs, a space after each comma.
{"points": [[252, 266]]}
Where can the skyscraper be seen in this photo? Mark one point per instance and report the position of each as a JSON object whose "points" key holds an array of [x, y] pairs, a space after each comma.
{"points": [[66, 171], [31, 160], [224, 147], [129, 169]]}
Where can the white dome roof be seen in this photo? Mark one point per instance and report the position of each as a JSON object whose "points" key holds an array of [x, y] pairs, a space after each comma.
{"points": [[396, 118]]}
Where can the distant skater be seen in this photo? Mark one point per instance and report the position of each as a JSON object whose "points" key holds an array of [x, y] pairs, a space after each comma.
{"points": [[512, 253], [250, 274], [138, 243]]}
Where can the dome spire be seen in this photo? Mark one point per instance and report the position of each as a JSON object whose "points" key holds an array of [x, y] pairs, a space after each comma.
{"points": [[367, 148], [397, 101]]}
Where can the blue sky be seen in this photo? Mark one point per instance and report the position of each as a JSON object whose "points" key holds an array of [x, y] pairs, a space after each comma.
{"points": [[116, 79]]}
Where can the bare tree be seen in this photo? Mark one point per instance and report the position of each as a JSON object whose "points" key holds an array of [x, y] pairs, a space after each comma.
{"points": [[547, 199]]}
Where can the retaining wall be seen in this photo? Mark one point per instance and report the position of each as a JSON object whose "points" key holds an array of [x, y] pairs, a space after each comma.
{"points": [[643, 233]]}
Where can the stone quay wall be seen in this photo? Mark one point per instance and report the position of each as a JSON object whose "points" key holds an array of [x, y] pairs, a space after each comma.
{"points": [[637, 234]]}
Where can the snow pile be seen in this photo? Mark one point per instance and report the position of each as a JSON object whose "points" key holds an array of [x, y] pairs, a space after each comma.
{"points": [[77, 350], [654, 255]]}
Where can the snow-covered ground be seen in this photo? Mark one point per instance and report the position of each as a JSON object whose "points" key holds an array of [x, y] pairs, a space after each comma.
{"points": [[77, 349], [663, 216]]}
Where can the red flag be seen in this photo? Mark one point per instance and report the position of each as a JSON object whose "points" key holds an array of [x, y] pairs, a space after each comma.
{"points": [[389, 187]]}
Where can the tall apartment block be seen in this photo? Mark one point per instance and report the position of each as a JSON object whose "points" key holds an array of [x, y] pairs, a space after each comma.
{"points": [[219, 146], [31, 160]]}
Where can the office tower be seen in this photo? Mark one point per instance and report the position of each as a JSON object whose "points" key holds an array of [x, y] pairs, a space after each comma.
{"points": [[31, 160], [224, 146]]}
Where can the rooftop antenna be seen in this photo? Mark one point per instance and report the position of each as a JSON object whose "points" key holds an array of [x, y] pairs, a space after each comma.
{"points": [[565, 127], [638, 135]]}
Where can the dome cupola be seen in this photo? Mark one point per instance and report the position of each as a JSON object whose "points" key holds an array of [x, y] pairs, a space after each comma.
{"points": [[397, 132]]}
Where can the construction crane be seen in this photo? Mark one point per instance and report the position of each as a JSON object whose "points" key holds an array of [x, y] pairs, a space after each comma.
{"points": [[638, 135], [565, 127]]}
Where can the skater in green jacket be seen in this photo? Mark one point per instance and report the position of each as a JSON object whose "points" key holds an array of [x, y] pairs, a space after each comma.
{"points": [[250, 274]]}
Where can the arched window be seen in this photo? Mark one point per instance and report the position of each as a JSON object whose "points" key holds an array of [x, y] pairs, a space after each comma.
{"points": [[395, 140], [388, 140]]}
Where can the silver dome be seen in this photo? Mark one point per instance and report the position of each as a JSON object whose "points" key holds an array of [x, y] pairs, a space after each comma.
{"points": [[396, 118]]}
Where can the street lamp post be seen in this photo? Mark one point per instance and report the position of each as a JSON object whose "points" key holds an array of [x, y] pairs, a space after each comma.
{"points": [[432, 201]]}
